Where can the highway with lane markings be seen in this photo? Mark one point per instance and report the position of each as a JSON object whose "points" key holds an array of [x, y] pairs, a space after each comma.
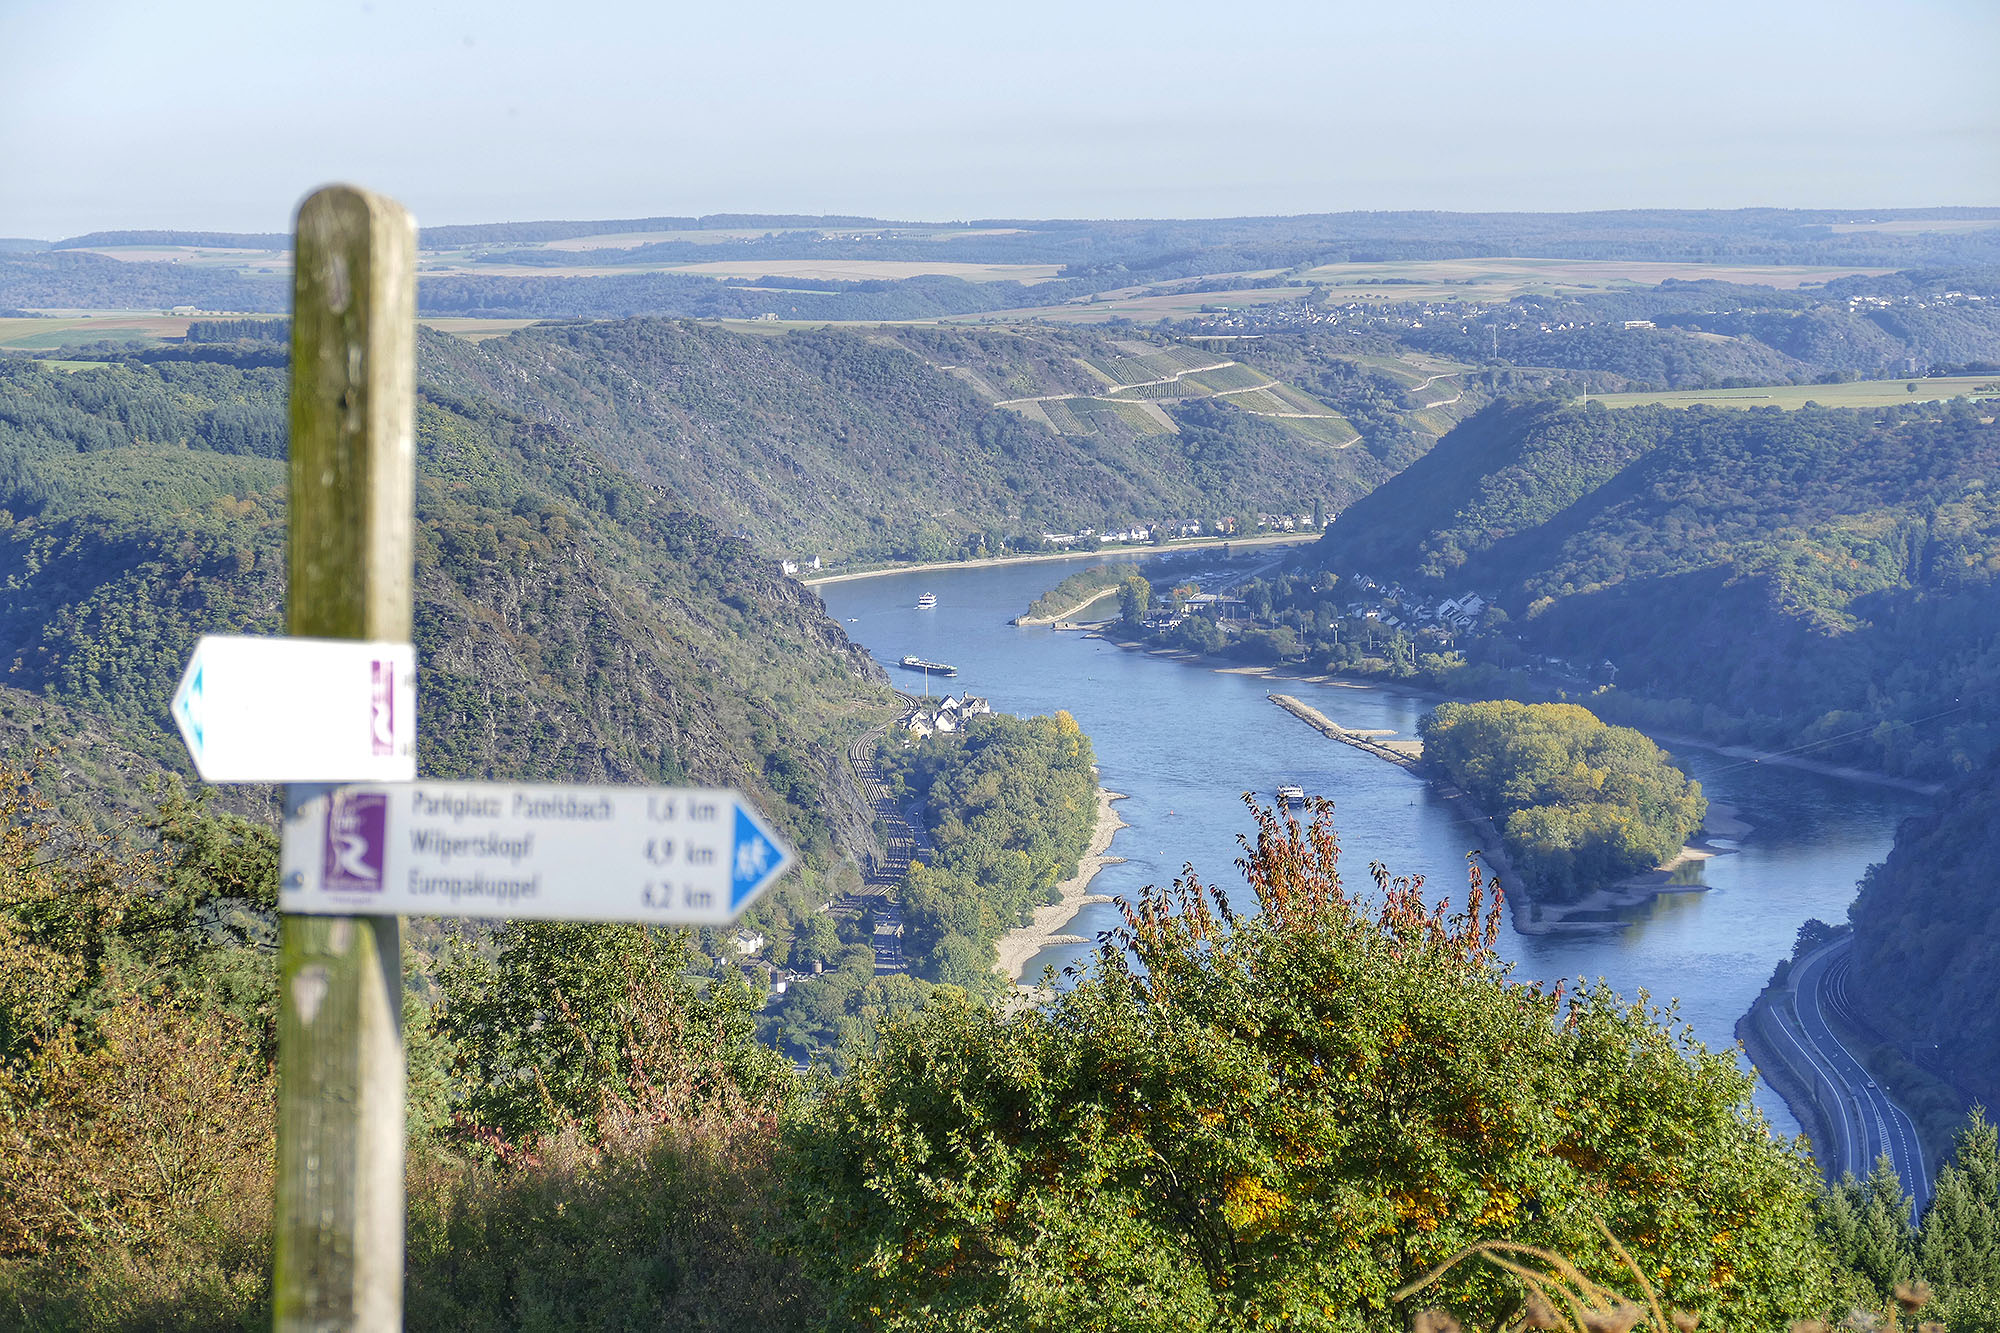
{"points": [[1866, 1123]]}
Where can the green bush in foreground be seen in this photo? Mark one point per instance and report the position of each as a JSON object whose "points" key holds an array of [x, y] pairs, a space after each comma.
{"points": [[1237, 1122]]}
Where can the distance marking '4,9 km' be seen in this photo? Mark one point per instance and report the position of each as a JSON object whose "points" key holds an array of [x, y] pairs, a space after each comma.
{"points": [[669, 855]]}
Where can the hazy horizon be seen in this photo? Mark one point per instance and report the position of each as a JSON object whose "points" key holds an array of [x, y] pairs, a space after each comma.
{"points": [[120, 115]]}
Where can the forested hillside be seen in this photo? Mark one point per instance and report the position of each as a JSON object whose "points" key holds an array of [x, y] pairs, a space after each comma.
{"points": [[1810, 576], [845, 444], [1926, 957], [571, 625]]}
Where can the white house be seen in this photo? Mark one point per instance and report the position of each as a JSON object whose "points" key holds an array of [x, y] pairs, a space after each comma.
{"points": [[1463, 612]]}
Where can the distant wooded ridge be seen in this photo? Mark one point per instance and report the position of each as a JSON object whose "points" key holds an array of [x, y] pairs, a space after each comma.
{"points": [[1359, 223]]}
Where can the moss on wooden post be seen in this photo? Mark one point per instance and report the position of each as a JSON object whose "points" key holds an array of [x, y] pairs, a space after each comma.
{"points": [[339, 1253]]}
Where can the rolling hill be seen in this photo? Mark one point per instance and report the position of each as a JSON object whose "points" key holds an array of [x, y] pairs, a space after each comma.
{"points": [[886, 442], [1819, 577]]}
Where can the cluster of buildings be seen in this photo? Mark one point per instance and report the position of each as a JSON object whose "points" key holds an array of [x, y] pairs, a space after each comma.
{"points": [[1226, 526], [1092, 537], [1394, 606], [1228, 611], [945, 715]]}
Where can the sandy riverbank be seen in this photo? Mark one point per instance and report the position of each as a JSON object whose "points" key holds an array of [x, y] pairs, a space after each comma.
{"points": [[1205, 544], [1022, 943]]}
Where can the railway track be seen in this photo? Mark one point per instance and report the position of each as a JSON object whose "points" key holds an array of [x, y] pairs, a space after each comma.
{"points": [[902, 840]]}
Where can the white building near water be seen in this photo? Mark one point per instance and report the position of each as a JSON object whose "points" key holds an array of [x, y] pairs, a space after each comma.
{"points": [[1462, 612]]}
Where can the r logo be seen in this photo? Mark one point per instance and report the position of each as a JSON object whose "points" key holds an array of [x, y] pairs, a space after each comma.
{"points": [[357, 841]]}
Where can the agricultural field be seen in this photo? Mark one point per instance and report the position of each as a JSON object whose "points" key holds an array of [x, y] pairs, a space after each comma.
{"points": [[1137, 379], [1410, 369], [629, 240], [1106, 306], [1227, 379], [234, 258], [1791, 397], [824, 270], [474, 330], [1502, 279], [1919, 226], [626, 240], [575, 257], [1332, 430], [867, 270], [51, 334], [44, 335]]}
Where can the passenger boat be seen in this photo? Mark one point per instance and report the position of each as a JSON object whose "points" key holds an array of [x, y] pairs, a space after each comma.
{"points": [[919, 664], [1291, 792], [926, 601]]}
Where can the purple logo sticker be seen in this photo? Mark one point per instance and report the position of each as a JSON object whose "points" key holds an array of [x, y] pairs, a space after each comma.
{"points": [[357, 841], [382, 715]]}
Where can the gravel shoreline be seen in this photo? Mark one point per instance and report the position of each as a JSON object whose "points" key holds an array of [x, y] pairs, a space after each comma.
{"points": [[1022, 943]]}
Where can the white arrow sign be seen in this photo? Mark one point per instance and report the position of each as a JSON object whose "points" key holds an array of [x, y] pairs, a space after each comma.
{"points": [[299, 710], [672, 855]]}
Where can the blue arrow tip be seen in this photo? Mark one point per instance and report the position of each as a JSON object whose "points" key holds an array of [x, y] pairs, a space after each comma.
{"points": [[190, 706], [756, 856]]}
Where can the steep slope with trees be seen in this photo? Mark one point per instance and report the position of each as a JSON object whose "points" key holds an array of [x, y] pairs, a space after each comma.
{"points": [[1925, 965], [837, 443], [1812, 576], [571, 624]]}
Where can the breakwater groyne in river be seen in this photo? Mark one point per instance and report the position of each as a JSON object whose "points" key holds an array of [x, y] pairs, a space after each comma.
{"points": [[1409, 754]]}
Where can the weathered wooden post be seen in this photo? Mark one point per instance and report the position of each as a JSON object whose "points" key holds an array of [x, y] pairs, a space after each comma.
{"points": [[339, 1259], [314, 713]]}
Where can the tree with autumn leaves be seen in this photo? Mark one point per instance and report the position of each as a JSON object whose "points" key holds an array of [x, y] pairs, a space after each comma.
{"points": [[1278, 1119]]}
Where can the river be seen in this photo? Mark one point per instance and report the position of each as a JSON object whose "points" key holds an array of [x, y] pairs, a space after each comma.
{"points": [[1184, 741]]}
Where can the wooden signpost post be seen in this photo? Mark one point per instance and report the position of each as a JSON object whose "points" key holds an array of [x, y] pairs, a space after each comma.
{"points": [[339, 1252], [335, 705]]}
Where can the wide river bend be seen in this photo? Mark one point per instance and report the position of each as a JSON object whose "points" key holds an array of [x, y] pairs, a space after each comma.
{"points": [[1184, 742]]}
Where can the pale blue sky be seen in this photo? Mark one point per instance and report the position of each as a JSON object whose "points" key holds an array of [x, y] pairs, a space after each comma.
{"points": [[221, 115]]}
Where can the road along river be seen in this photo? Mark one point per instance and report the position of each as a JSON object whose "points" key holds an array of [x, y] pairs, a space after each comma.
{"points": [[1184, 741]]}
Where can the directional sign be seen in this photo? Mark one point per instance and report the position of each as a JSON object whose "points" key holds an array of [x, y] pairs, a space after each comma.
{"points": [[677, 855], [299, 710]]}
